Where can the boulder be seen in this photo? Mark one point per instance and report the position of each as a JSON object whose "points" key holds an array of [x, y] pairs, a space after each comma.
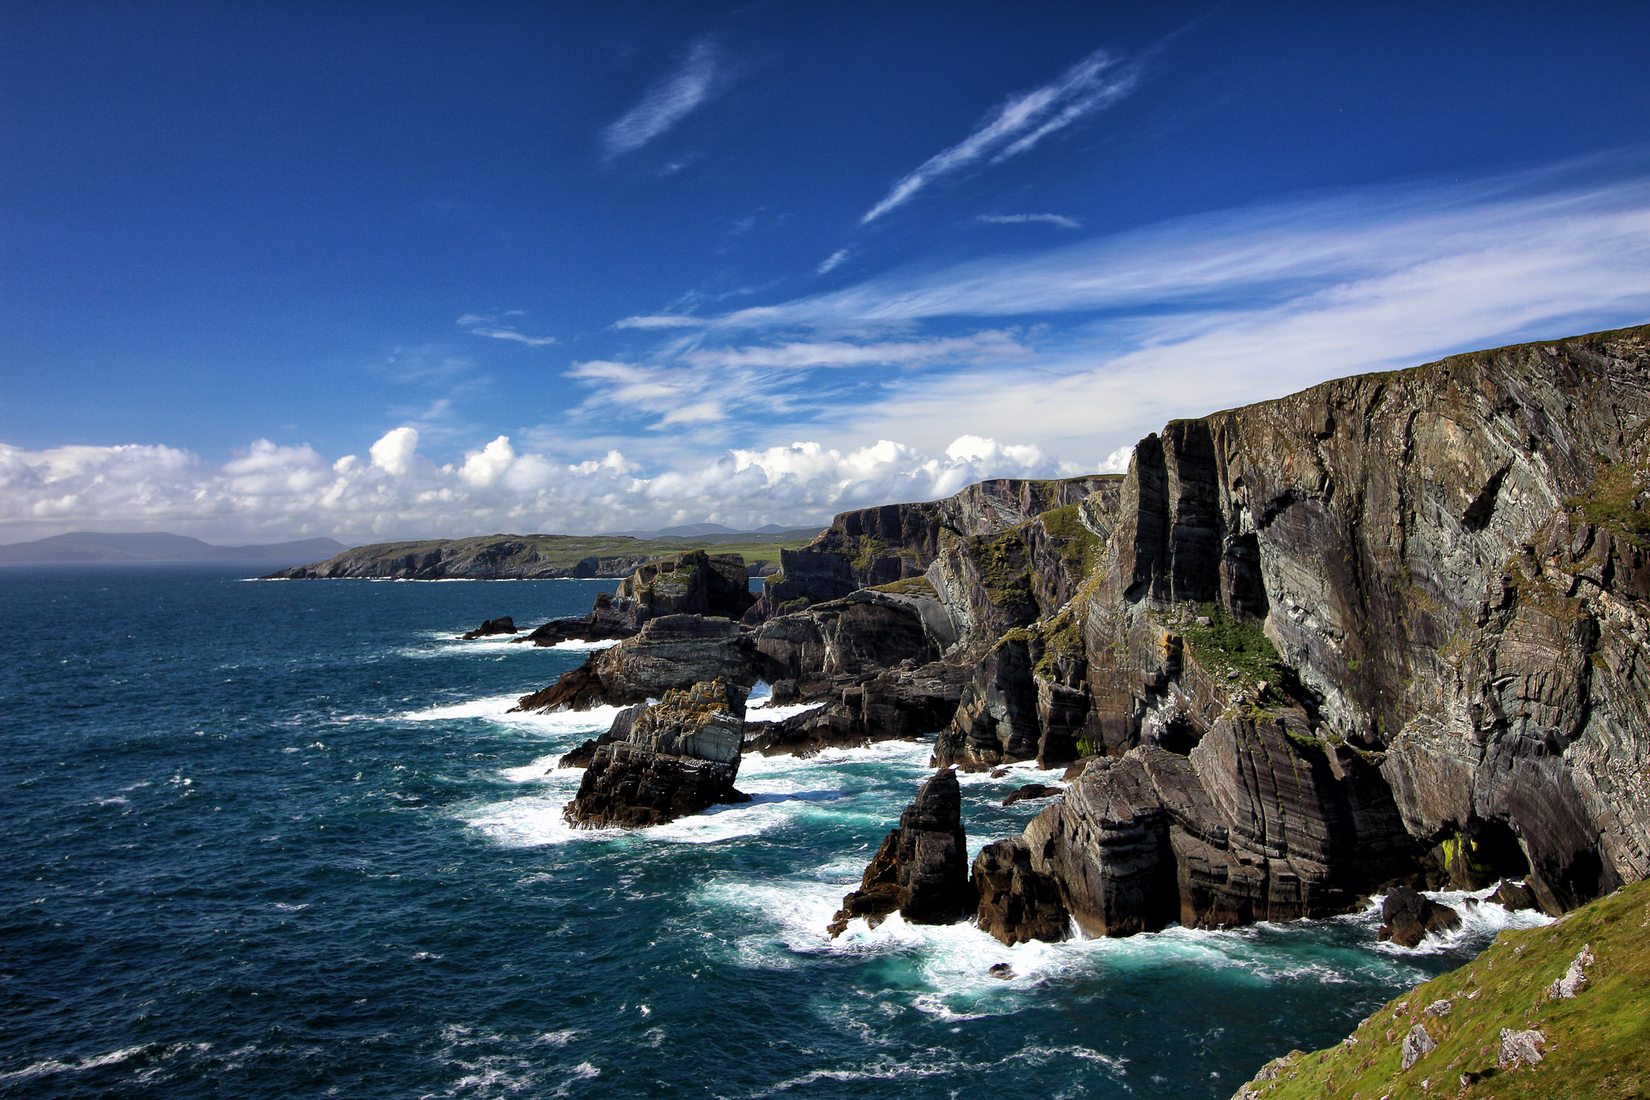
{"points": [[1417, 1045], [1521, 1048], [1575, 978], [1032, 791], [677, 757], [491, 627], [1407, 917], [1016, 901], [1513, 895], [921, 869]]}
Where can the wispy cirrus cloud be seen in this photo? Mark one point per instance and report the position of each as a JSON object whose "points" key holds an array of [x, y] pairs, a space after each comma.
{"points": [[832, 262], [1060, 220], [497, 326], [667, 103], [689, 384], [1017, 127]]}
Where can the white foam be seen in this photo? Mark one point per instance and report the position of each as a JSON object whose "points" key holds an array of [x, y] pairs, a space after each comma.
{"points": [[1480, 922], [767, 712], [50, 1067], [496, 708], [575, 645]]}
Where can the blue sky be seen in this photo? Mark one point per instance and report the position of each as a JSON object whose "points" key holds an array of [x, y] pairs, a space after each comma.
{"points": [[384, 270]]}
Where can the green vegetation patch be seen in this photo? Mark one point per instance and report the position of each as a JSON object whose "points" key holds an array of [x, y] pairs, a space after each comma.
{"points": [[908, 586], [1078, 546], [1597, 1044], [1619, 501], [1230, 644]]}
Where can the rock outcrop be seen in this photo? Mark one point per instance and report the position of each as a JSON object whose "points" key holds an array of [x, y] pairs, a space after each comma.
{"points": [[921, 870], [898, 704], [1408, 917], [1016, 901], [672, 652], [676, 757], [491, 628], [691, 583]]}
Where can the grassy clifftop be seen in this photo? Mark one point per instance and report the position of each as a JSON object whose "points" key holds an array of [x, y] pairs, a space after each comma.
{"points": [[1594, 1044]]}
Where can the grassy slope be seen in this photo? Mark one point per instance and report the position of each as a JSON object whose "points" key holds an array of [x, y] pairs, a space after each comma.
{"points": [[1598, 1045]]}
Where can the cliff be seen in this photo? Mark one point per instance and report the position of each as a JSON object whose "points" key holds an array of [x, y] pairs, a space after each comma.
{"points": [[1390, 626]]}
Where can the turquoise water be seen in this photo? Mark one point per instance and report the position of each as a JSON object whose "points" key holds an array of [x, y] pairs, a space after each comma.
{"points": [[272, 839]]}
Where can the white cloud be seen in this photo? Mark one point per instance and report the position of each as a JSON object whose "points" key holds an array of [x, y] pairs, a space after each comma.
{"points": [[832, 262], [659, 320], [1019, 125], [393, 453], [1060, 220], [482, 468], [271, 491], [665, 104], [494, 328]]}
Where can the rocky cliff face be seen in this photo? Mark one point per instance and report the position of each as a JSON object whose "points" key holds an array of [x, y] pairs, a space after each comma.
{"points": [[1387, 615], [1389, 629]]}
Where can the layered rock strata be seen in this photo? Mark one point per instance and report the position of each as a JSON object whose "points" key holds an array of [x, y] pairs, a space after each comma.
{"points": [[672, 652], [676, 757]]}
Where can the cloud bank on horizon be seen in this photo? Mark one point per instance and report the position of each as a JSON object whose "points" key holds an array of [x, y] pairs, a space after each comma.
{"points": [[1003, 324]]}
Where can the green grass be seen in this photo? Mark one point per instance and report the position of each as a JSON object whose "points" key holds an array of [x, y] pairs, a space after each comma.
{"points": [[1230, 644], [1598, 1044], [910, 586], [1619, 501]]}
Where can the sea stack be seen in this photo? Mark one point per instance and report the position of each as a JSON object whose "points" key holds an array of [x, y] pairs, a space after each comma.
{"points": [[921, 870], [678, 757]]}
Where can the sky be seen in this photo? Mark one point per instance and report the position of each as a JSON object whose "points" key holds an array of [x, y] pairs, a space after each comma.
{"points": [[416, 269]]}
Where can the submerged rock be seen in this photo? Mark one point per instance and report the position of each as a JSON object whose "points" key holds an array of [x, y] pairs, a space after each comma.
{"points": [[677, 757], [1407, 917], [921, 870]]}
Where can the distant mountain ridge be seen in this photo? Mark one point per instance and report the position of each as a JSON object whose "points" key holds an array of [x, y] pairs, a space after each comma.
{"points": [[157, 546]]}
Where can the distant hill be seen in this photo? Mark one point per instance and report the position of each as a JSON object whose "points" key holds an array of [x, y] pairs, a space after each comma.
{"points": [[496, 557], [96, 546], [719, 532]]}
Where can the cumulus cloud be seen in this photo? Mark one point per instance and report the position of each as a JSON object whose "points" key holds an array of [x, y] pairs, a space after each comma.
{"points": [[273, 491], [1016, 127], [665, 104], [393, 453]]}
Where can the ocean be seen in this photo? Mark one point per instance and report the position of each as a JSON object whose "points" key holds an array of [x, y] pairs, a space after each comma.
{"points": [[269, 839]]}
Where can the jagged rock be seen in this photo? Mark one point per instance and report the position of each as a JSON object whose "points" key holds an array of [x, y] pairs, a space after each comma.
{"points": [[490, 627], [1575, 978], [1513, 896], [675, 651], [853, 638], [1521, 1048], [1407, 917], [1437, 1009], [899, 704], [921, 869], [692, 583], [1417, 1045], [1252, 825], [1032, 791], [581, 756], [1016, 901], [677, 757]]}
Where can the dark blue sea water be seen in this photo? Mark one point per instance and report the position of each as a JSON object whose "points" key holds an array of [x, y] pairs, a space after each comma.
{"points": [[275, 839]]}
